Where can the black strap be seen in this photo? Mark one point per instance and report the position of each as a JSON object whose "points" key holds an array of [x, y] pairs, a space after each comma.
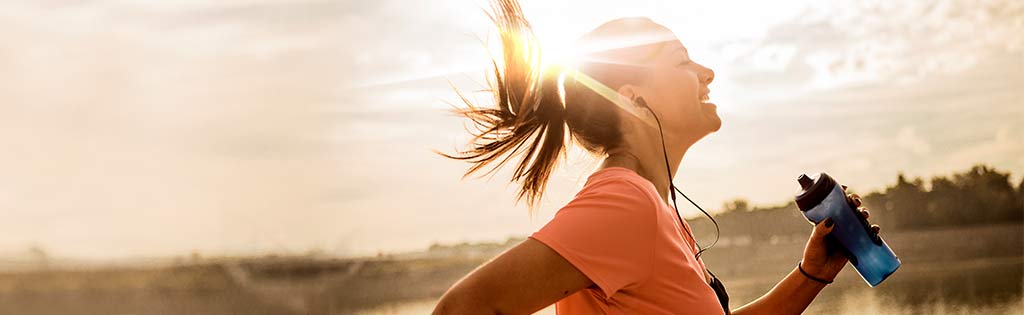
{"points": [[723, 297]]}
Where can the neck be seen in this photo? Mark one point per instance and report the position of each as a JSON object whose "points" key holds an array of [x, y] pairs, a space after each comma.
{"points": [[644, 156]]}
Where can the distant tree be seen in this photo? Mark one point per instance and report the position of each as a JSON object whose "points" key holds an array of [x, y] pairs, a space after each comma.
{"points": [[39, 256], [1020, 193], [736, 205], [905, 203], [979, 195], [946, 202], [991, 194], [1020, 200]]}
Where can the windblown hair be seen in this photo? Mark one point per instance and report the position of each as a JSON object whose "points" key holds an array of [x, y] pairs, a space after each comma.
{"points": [[530, 120]]}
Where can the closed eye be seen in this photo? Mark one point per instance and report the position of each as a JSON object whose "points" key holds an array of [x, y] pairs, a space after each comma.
{"points": [[685, 56]]}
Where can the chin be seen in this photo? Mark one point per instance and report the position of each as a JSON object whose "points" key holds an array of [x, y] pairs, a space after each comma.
{"points": [[714, 124], [709, 114]]}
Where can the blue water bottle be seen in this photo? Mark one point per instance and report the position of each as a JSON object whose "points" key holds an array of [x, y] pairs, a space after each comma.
{"points": [[821, 198]]}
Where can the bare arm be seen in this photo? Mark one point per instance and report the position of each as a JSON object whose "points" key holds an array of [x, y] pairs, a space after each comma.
{"points": [[790, 296], [522, 280], [795, 292]]}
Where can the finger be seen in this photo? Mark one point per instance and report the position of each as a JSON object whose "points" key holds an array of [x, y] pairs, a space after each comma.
{"points": [[864, 212], [823, 228], [875, 228], [854, 200]]}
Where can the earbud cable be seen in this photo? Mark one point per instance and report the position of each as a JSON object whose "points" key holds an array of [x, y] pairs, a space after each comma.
{"points": [[672, 192]]}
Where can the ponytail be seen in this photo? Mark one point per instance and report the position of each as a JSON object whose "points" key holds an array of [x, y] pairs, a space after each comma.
{"points": [[529, 121]]}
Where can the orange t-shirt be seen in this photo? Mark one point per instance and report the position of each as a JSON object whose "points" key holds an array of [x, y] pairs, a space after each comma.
{"points": [[619, 233]]}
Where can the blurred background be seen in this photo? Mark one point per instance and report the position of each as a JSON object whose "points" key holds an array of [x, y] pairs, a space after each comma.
{"points": [[274, 156]]}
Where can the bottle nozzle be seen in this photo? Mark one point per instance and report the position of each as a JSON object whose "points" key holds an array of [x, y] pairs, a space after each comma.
{"points": [[805, 182]]}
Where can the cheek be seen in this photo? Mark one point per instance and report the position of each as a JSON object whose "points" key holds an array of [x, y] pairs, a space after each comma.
{"points": [[683, 91], [682, 83], [681, 100], [678, 104]]}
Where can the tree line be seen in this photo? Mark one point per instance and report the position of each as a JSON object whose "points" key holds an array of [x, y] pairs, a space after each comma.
{"points": [[980, 195]]}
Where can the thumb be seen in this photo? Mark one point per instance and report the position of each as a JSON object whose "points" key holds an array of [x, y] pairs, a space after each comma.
{"points": [[823, 228]]}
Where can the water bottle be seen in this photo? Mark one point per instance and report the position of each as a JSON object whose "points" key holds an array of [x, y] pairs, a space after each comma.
{"points": [[821, 198]]}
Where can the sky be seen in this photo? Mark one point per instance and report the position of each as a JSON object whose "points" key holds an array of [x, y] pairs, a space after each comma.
{"points": [[244, 127]]}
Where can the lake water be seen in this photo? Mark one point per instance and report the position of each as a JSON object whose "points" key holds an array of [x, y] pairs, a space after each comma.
{"points": [[419, 308], [853, 303], [990, 287]]}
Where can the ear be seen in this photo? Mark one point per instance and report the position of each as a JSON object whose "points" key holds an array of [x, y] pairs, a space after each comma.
{"points": [[628, 93]]}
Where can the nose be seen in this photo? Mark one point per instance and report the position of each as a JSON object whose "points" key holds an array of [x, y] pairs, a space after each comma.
{"points": [[707, 75]]}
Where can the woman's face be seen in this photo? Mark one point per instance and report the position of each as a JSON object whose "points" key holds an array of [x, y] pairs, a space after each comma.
{"points": [[677, 91]]}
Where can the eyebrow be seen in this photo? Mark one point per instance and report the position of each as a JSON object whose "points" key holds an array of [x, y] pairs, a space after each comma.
{"points": [[661, 48]]}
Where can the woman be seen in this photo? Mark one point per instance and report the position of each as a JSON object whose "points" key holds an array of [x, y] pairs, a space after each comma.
{"points": [[617, 247]]}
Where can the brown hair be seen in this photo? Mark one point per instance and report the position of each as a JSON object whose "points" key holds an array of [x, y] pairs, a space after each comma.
{"points": [[530, 119]]}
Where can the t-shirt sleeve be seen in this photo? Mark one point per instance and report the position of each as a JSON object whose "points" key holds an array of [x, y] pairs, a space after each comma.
{"points": [[607, 232]]}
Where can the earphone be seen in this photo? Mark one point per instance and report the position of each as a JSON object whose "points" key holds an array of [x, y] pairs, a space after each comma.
{"points": [[640, 102]]}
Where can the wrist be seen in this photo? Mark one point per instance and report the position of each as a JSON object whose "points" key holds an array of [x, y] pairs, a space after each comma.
{"points": [[813, 275]]}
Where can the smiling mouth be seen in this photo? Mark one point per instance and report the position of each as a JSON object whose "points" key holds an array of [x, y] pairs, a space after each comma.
{"points": [[705, 97], [706, 104], [708, 110]]}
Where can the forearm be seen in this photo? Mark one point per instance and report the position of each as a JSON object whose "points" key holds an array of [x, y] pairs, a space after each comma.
{"points": [[792, 295]]}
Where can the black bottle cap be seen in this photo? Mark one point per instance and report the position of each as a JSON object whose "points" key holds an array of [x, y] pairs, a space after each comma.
{"points": [[813, 191]]}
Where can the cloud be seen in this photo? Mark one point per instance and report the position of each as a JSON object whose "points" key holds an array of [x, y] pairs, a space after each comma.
{"points": [[907, 138], [852, 42]]}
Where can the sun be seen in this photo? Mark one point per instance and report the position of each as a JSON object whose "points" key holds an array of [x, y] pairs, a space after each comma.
{"points": [[556, 50]]}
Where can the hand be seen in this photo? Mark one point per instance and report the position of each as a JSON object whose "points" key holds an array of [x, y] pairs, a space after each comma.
{"points": [[822, 261]]}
